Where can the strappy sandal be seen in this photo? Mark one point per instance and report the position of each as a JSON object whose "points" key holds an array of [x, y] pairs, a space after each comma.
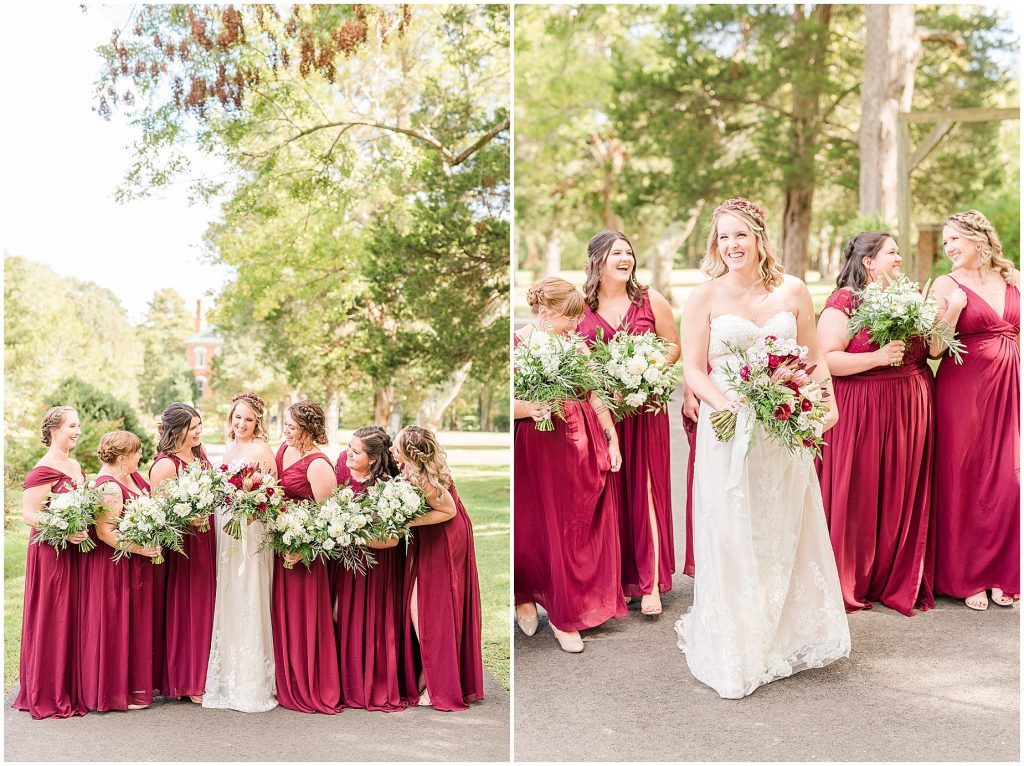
{"points": [[978, 602], [1002, 599], [198, 699], [650, 604]]}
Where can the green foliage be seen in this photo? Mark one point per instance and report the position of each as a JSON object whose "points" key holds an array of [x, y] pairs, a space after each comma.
{"points": [[166, 376], [99, 412]]}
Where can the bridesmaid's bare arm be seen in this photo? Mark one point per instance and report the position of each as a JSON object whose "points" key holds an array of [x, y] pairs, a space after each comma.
{"points": [[442, 506], [267, 460], [807, 335], [161, 471], [833, 334], [951, 301], [32, 500], [320, 474], [665, 325]]}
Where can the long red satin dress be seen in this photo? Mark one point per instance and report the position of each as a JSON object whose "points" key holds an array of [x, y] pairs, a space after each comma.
{"points": [[977, 456], [49, 627], [644, 444], [566, 518], [371, 616], [305, 648], [442, 567], [691, 439], [116, 618], [191, 588], [876, 473]]}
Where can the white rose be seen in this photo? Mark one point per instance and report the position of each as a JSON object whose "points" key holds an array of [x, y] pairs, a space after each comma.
{"points": [[182, 509], [636, 399]]}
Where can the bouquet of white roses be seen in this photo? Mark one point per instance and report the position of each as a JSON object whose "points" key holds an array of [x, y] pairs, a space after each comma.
{"points": [[774, 381], [634, 367], [553, 370], [146, 522], [393, 504], [251, 495], [68, 513], [195, 493], [895, 308], [349, 528], [293, 531]]}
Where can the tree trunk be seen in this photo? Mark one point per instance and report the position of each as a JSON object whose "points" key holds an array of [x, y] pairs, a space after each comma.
{"points": [[532, 254], [282, 408], [805, 126], [663, 254], [824, 240], [383, 404], [891, 54], [333, 409], [439, 398], [485, 401], [553, 253]]}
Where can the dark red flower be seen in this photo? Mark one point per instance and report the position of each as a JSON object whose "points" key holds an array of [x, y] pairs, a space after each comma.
{"points": [[783, 412], [806, 405], [808, 442], [745, 372], [792, 386], [223, 466], [270, 490], [775, 361], [770, 337]]}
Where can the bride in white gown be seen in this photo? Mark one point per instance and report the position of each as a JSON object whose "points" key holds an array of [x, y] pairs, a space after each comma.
{"points": [[767, 601], [240, 674]]}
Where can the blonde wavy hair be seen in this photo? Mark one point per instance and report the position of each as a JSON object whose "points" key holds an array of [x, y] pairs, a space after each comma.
{"points": [[754, 217], [425, 458], [259, 409], [976, 227]]}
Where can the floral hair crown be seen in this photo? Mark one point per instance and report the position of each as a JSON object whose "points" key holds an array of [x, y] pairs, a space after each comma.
{"points": [[743, 206], [254, 401]]}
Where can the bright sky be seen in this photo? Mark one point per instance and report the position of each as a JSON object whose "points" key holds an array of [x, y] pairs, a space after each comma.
{"points": [[62, 163]]}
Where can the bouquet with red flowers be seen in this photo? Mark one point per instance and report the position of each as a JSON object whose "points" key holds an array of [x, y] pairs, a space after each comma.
{"points": [[252, 495], [774, 380]]}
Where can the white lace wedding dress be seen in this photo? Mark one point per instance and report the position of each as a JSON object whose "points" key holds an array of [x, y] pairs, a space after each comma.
{"points": [[767, 601], [240, 674]]}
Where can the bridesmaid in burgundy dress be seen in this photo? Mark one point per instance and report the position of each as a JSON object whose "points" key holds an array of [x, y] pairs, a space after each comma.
{"points": [[305, 650], [191, 578], [116, 606], [977, 453], [442, 654], [370, 607], [566, 508], [875, 472], [49, 629], [616, 301]]}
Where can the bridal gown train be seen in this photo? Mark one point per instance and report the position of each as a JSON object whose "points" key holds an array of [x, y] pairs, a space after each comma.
{"points": [[240, 674], [767, 601]]}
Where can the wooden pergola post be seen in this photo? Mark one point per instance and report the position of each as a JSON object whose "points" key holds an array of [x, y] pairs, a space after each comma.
{"points": [[907, 159]]}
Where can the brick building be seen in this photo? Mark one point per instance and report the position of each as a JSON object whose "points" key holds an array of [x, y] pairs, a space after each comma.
{"points": [[200, 349]]}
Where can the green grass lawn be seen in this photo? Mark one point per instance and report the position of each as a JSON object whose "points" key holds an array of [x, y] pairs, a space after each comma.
{"points": [[484, 491]]}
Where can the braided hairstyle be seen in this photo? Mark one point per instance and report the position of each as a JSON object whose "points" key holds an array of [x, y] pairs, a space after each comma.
{"points": [[54, 418], [976, 227], [377, 446], [597, 253], [754, 216], [116, 444], [867, 244], [424, 458], [309, 417], [259, 409], [556, 294]]}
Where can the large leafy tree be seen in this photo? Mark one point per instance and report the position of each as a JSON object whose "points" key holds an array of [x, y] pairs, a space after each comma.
{"points": [[166, 376], [358, 143]]}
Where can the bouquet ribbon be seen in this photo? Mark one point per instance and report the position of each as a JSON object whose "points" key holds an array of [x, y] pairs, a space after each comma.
{"points": [[745, 424]]}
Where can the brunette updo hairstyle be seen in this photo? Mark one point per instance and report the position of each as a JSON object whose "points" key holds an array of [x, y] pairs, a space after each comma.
{"points": [[864, 245], [424, 457], [54, 418], [377, 445], [556, 294], [310, 419], [174, 423], [597, 253], [118, 444], [259, 409]]}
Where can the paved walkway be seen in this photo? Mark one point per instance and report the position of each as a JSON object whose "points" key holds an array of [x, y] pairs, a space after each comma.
{"points": [[939, 686], [180, 731]]}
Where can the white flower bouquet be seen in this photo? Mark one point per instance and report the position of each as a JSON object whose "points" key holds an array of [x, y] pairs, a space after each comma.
{"points": [[634, 372], [195, 493], [146, 522], [349, 527], [392, 505], [552, 369], [895, 308], [66, 514]]}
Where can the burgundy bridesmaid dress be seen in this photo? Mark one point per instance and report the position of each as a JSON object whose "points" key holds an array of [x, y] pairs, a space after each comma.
{"points": [[442, 567], [566, 517], [977, 454], [371, 616], [644, 444], [305, 649], [49, 627], [876, 473], [691, 438], [116, 618], [191, 587]]}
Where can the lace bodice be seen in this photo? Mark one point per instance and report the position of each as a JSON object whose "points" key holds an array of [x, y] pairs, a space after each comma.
{"points": [[730, 329]]}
